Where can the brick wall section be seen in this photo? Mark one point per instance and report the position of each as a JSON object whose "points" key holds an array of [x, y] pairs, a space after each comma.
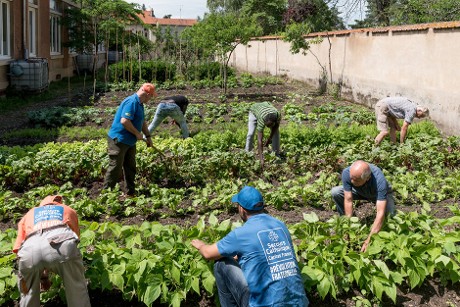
{"points": [[59, 66]]}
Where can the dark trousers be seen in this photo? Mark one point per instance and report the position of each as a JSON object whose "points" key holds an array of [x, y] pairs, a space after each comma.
{"points": [[122, 158]]}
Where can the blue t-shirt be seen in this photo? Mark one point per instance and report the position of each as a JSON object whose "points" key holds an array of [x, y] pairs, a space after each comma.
{"points": [[267, 258], [376, 188], [132, 109]]}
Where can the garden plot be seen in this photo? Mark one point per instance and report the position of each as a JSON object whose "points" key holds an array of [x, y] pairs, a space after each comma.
{"points": [[137, 251]]}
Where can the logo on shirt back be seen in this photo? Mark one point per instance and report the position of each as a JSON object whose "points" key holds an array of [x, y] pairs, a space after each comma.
{"points": [[278, 252], [273, 236], [48, 216]]}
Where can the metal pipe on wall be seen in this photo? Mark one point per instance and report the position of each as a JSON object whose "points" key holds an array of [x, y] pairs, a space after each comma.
{"points": [[24, 30]]}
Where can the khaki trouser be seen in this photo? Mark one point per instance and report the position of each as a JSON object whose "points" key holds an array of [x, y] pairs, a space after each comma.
{"points": [[57, 251], [385, 121]]}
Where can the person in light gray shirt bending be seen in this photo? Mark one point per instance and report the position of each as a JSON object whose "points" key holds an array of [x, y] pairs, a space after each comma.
{"points": [[389, 110]]}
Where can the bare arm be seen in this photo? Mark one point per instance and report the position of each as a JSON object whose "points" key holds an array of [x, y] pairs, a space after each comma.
{"points": [[173, 122], [128, 125], [403, 134], [272, 132], [209, 252], [145, 130], [348, 203], [260, 148], [184, 109], [378, 222]]}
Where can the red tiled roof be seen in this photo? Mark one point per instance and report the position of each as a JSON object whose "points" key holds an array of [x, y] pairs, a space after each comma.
{"points": [[148, 19]]}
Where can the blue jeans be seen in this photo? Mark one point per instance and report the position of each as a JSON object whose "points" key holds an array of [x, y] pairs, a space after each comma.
{"points": [[231, 283], [338, 197], [172, 110], [252, 124]]}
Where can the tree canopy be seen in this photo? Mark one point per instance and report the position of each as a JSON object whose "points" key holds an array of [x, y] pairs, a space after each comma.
{"points": [[267, 13], [401, 12], [89, 24], [224, 6], [316, 13]]}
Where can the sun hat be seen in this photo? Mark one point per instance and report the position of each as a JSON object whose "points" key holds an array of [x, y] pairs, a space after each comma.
{"points": [[149, 88], [249, 198]]}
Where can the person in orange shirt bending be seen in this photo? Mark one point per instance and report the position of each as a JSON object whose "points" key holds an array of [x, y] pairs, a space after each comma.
{"points": [[47, 241]]}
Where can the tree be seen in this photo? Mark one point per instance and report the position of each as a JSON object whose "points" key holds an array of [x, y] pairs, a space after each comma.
{"points": [[316, 13], [267, 13], [295, 35], [91, 25], [224, 6], [422, 11], [401, 12], [219, 34], [378, 12]]}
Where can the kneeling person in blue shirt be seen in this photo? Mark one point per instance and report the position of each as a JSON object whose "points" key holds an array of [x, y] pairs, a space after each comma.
{"points": [[266, 272], [364, 181]]}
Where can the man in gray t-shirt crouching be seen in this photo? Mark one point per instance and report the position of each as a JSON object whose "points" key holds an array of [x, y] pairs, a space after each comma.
{"points": [[364, 181], [389, 110]]}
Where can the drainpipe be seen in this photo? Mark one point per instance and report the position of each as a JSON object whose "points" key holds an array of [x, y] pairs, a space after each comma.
{"points": [[24, 30]]}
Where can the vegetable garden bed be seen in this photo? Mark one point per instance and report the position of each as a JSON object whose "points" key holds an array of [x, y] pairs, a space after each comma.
{"points": [[137, 251]]}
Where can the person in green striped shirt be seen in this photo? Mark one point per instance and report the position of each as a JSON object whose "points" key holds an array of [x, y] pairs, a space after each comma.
{"points": [[262, 115]]}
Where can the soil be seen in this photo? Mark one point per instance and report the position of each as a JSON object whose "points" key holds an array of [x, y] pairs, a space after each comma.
{"points": [[431, 293]]}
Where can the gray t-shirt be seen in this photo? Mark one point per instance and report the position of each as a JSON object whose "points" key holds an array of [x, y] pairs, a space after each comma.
{"points": [[401, 107]]}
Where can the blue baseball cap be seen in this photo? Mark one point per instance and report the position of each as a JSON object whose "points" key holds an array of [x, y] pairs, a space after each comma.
{"points": [[249, 198]]}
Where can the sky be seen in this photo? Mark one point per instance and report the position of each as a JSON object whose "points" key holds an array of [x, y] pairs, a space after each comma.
{"points": [[175, 8], [352, 10]]}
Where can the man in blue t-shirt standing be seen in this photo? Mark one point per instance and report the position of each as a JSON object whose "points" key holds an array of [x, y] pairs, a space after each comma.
{"points": [[126, 130], [364, 181], [256, 263]]}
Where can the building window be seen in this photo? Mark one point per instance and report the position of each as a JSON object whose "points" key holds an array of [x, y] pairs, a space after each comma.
{"points": [[5, 28], [55, 34], [55, 26], [56, 6], [33, 13]]}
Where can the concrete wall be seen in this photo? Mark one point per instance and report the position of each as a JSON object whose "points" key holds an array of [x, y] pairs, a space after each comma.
{"points": [[421, 62]]}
